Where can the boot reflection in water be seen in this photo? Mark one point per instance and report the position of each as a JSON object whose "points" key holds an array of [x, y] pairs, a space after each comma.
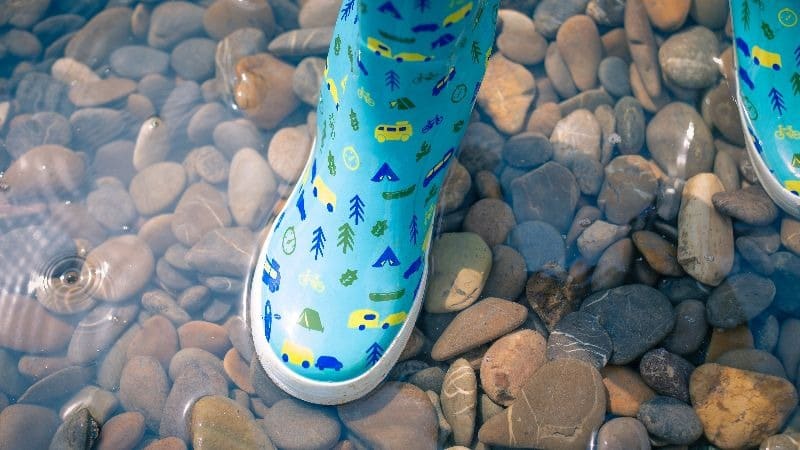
{"points": [[342, 272]]}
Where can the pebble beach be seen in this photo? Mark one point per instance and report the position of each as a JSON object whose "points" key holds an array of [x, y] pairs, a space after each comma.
{"points": [[607, 273]]}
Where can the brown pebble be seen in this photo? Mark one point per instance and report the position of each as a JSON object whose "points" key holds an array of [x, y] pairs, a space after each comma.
{"points": [[579, 44], [626, 390], [238, 370], [208, 336], [509, 363]]}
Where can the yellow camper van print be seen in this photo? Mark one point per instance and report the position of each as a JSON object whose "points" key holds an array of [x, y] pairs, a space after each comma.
{"points": [[400, 131], [766, 58], [298, 355], [363, 319], [458, 15]]}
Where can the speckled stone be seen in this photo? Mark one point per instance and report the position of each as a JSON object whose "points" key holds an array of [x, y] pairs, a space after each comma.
{"points": [[670, 420], [667, 373], [509, 363]]}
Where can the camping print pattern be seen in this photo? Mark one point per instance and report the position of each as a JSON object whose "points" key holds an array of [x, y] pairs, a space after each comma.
{"points": [[768, 60], [345, 258]]}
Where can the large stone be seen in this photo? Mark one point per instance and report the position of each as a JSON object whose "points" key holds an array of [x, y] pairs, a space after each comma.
{"points": [[105, 32], [559, 408], [539, 243], [579, 44], [680, 141], [226, 16], [689, 58], [393, 416], [264, 91], [739, 408], [47, 170], [509, 91], [643, 47], [143, 388], [157, 187], [200, 210], [224, 251], [172, 22], [99, 330], [482, 322], [509, 363], [705, 237], [122, 266], [456, 281], [294, 424], [579, 133], [628, 189], [636, 317], [548, 193], [27, 426]]}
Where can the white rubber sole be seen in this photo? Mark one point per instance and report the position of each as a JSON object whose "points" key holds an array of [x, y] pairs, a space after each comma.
{"points": [[314, 391]]}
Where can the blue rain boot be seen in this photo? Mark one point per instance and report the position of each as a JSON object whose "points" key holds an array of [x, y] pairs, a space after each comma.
{"points": [[342, 272], [767, 61]]}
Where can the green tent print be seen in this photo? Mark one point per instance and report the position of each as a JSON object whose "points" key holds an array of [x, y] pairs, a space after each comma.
{"points": [[309, 318]]}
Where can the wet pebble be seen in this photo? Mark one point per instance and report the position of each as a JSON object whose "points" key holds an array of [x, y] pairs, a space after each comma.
{"points": [[519, 40], [509, 363], [628, 189], [157, 187], [99, 403], [753, 360], [223, 251], [143, 388], [302, 42], [562, 394], [738, 299], [630, 125], [128, 264], [157, 338], [201, 209], [739, 408], [111, 205], [690, 328], [750, 205], [79, 430], [38, 92], [457, 280], [667, 373], [251, 187], [27, 426], [613, 75], [459, 400], [666, 139], [123, 431], [548, 194], [513, 92], [578, 132], [28, 131], [288, 151], [393, 415], [264, 91], [670, 420], [527, 150], [550, 14], [635, 316], [172, 22], [579, 44], [102, 92], [136, 61], [225, 16], [98, 331], [623, 433], [39, 332], [307, 79], [195, 379], [613, 266], [539, 243], [193, 58], [598, 236], [507, 278], [658, 252], [705, 241], [491, 219], [710, 13], [108, 30], [294, 424], [580, 336], [46, 170], [57, 385], [688, 58], [205, 335]]}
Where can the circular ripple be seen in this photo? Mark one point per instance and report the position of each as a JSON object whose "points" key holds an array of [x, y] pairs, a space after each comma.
{"points": [[66, 287]]}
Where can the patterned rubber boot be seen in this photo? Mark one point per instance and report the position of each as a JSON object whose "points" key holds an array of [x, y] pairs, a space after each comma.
{"points": [[767, 61], [345, 262]]}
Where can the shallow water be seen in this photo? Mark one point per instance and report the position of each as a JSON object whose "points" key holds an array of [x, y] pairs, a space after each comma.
{"points": [[131, 211]]}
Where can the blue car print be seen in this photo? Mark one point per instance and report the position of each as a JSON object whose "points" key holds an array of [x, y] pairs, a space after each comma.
{"points": [[272, 275], [425, 27], [328, 362]]}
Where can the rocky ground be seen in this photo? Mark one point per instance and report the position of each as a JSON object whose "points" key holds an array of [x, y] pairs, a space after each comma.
{"points": [[627, 276]]}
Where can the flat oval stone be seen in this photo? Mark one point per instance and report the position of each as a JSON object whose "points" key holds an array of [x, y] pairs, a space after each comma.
{"points": [[613, 266], [626, 390], [29, 131], [643, 47], [57, 385], [519, 40], [628, 189], [491, 219], [460, 399], [509, 363], [539, 243], [690, 328], [548, 193], [482, 322], [101, 92], [122, 431], [670, 420], [127, 264], [136, 61], [251, 187], [507, 277], [579, 44], [224, 251], [658, 252], [393, 416], [630, 125], [201, 209], [667, 373], [205, 335], [754, 361], [106, 31], [565, 394], [623, 433], [26, 326], [688, 58], [636, 317], [680, 141], [98, 331], [513, 91], [294, 424], [47, 170], [738, 299], [157, 187], [173, 22], [27, 426], [194, 381], [464, 262], [143, 388], [750, 205]]}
